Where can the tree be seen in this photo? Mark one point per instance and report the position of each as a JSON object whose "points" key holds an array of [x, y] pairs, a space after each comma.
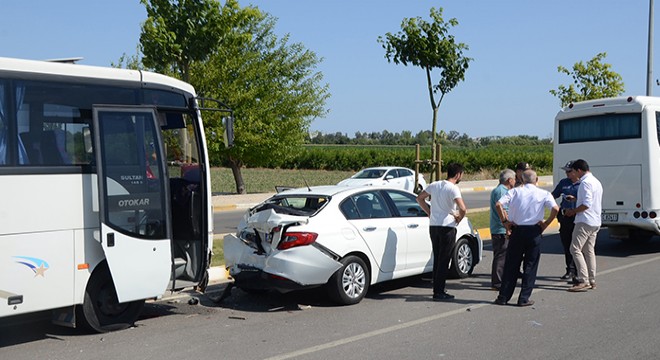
{"points": [[593, 80], [429, 46], [178, 33], [271, 85], [129, 61]]}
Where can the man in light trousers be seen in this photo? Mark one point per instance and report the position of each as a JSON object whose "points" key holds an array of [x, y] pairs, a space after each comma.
{"points": [[587, 223]]}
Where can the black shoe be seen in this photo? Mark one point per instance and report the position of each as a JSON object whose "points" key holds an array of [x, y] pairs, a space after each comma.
{"points": [[573, 281], [443, 297], [499, 301], [567, 276], [526, 303]]}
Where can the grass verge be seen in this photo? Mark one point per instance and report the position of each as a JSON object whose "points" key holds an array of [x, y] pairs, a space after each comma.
{"points": [[218, 258]]}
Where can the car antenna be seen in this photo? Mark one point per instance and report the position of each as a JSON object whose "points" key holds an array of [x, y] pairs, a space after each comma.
{"points": [[303, 177]]}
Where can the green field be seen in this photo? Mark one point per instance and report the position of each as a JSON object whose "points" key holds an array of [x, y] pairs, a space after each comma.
{"points": [[262, 180]]}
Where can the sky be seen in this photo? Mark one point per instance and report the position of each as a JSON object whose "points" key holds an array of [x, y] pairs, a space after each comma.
{"points": [[516, 46]]}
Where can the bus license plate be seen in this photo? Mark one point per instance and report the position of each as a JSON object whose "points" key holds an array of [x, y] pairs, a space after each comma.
{"points": [[609, 217]]}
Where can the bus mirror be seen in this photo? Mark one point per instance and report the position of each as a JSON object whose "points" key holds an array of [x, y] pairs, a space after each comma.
{"points": [[228, 135], [87, 139]]}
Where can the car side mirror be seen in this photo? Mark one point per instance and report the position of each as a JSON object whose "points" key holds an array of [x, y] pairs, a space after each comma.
{"points": [[389, 177]]}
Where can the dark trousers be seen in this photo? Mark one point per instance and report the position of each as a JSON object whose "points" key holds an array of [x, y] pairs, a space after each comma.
{"points": [[566, 226], [500, 243], [442, 240], [524, 247]]}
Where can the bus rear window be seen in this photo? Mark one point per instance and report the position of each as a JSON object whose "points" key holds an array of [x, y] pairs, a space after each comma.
{"points": [[601, 127]]}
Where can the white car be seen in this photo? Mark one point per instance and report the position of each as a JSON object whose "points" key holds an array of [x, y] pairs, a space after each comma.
{"points": [[398, 177], [346, 238]]}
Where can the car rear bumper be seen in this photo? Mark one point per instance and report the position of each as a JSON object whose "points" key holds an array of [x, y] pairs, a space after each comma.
{"points": [[285, 270]]}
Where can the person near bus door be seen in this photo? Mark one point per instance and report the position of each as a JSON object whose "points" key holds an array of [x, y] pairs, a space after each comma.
{"points": [[524, 218], [445, 213], [567, 189], [498, 233], [587, 223]]}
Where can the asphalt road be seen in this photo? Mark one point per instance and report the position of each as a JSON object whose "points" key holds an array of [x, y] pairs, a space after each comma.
{"points": [[396, 320]]}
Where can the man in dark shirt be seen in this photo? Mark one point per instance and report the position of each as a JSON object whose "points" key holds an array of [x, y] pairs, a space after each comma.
{"points": [[567, 189]]}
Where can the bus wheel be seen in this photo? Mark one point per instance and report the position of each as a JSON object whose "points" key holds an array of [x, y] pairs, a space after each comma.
{"points": [[101, 311]]}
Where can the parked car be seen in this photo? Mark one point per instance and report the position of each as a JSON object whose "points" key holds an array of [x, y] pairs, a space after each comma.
{"points": [[344, 238], [398, 177]]}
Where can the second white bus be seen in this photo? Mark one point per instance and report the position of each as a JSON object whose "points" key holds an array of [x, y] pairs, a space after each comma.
{"points": [[620, 140]]}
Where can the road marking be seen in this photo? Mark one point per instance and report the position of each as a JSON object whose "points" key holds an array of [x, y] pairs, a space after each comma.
{"points": [[424, 320]]}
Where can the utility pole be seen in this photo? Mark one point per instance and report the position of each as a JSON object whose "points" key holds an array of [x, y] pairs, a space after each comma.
{"points": [[649, 60]]}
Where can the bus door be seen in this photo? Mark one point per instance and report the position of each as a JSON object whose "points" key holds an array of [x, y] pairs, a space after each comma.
{"points": [[133, 207]]}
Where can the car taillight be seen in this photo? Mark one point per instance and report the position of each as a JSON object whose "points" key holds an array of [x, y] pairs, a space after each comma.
{"points": [[293, 239]]}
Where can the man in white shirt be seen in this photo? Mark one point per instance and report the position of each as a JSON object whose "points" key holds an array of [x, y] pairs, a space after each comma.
{"points": [[524, 218], [446, 211], [587, 223]]}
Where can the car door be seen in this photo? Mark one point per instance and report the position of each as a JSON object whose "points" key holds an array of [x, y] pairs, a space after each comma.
{"points": [[135, 229], [394, 179], [407, 179], [385, 239], [410, 215]]}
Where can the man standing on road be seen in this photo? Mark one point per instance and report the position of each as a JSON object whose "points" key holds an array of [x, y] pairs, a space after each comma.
{"points": [[587, 224], [520, 168], [526, 209], [446, 211], [498, 233], [567, 188]]}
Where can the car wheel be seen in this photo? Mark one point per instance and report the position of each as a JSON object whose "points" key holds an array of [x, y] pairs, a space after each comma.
{"points": [[350, 283], [101, 311], [462, 261]]}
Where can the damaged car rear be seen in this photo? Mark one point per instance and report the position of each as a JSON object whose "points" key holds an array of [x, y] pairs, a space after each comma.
{"points": [[340, 237]]}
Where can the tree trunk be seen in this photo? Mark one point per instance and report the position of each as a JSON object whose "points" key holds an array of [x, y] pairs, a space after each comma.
{"points": [[434, 144], [235, 166], [434, 134]]}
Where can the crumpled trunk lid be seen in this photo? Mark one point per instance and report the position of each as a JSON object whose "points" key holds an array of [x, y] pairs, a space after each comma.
{"points": [[263, 230]]}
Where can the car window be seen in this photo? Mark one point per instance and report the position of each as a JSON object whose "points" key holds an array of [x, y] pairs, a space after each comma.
{"points": [[405, 172], [349, 209], [297, 204], [392, 173], [406, 204], [370, 174], [368, 205]]}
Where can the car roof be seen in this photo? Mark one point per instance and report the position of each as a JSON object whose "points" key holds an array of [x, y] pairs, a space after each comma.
{"points": [[383, 168], [323, 190], [330, 190]]}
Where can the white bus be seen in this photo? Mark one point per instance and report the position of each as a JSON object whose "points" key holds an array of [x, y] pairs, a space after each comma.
{"points": [[620, 139], [105, 191]]}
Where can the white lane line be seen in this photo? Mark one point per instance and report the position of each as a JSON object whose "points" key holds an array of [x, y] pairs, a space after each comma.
{"points": [[424, 320], [382, 331]]}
